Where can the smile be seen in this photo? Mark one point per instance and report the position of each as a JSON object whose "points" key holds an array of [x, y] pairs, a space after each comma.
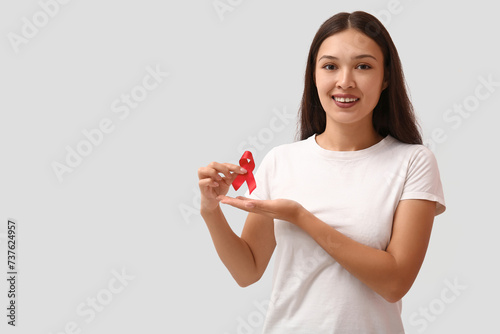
{"points": [[345, 99], [345, 102]]}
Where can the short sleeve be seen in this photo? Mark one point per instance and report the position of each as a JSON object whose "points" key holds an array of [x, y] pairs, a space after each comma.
{"points": [[263, 177], [423, 180]]}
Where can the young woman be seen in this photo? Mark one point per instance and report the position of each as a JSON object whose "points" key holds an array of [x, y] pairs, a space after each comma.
{"points": [[348, 208]]}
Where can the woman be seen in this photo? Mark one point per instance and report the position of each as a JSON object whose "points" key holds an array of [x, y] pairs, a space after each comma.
{"points": [[349, 207]]}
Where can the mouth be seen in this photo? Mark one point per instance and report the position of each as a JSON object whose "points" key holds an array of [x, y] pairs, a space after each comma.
{"points": [[345, 101]]}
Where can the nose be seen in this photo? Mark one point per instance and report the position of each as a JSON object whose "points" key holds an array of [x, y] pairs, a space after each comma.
{"points": [[346, 79]]}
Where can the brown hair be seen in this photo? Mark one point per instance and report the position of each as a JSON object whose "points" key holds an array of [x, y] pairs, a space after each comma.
{"points": [[393, 113]]}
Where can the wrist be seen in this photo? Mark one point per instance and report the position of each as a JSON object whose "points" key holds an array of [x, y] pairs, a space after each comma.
{"points": [[301, 216], [207, 210]]}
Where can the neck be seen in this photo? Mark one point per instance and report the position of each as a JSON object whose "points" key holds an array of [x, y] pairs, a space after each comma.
{"points": [[348, 137]]}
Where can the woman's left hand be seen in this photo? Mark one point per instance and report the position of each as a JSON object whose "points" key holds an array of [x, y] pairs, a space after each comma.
{"points": [[284, 209]]}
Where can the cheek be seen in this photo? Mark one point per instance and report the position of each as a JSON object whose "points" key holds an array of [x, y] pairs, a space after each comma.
{"points": [[370, 87], [323, 83]]}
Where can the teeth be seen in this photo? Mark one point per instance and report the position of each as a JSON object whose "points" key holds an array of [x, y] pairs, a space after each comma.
{"points": [[342, 99]]}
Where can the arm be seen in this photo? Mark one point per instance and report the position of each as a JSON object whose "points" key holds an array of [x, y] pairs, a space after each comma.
{"points": [[247, 257], [390, 273]]}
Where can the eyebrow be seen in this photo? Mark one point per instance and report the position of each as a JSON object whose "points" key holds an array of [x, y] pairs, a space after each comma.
{"points": [[356, 57]]}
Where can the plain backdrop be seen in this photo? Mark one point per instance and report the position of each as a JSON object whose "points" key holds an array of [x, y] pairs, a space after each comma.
{"points": [[129, 206]]}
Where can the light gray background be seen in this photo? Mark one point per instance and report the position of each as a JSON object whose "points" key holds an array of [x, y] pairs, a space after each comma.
{"points": [[131, 205]]}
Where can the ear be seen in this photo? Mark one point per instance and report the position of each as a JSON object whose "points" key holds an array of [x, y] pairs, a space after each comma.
{"points": [[384, 85]]}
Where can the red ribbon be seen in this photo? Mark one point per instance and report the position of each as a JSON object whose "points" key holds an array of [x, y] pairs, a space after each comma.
{"points": [[246, 162]]}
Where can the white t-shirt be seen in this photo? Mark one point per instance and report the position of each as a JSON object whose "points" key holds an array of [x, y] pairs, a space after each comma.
{"points": [[356, 192]]}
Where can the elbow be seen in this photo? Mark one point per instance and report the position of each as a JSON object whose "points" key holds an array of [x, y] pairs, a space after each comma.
{"points": [[248, 276], [393, 298], [395, 292], [243, 282]]}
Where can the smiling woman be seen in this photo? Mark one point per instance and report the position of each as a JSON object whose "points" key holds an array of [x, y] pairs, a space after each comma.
{"points": [[349, 80], [350, 205]]}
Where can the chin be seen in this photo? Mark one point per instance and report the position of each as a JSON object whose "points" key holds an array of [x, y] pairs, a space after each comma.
{"points": [[348, 116]]}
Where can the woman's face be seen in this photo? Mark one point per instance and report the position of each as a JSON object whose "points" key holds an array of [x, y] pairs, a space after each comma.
{"points": [[349, 77]]}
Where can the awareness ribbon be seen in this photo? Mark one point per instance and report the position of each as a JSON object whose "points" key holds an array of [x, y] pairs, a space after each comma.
{"points": [[246, 162]]}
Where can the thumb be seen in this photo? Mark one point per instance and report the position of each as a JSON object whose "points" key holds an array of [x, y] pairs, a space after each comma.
{"points": [[221, 197]]}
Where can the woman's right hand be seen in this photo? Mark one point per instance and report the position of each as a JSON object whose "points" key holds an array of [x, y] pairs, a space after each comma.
{"points": [[212, 184]]}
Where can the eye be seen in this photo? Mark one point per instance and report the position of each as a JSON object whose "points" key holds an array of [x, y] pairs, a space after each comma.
{"points": [[364, 66], [329, 67]]}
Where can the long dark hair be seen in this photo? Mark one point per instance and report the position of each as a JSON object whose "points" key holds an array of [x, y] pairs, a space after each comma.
{"points": [[393, 113]]}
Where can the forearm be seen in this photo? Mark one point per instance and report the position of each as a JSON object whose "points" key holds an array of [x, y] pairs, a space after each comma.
{"points": [[389, 272], [376, 268], [233, 251]]}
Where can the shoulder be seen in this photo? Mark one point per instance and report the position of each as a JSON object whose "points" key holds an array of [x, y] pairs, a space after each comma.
{"points": [[286, 150], [411, 152], [285, 154], [422, 176]]}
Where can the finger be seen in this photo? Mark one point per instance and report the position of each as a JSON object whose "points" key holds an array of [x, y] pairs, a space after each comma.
{"points": [[231, 172], [223, 198], [217, 168], [235, 168], [204, 172], [209, 172], [229, 200], [208, 182], [250, 204], [239, 202]]}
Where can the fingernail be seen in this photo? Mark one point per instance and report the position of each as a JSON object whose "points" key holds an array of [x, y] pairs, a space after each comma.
{"points": [[243, 170]]}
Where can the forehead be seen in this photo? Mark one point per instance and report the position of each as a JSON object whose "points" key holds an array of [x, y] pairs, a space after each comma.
{"points": [[349, 43]]}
